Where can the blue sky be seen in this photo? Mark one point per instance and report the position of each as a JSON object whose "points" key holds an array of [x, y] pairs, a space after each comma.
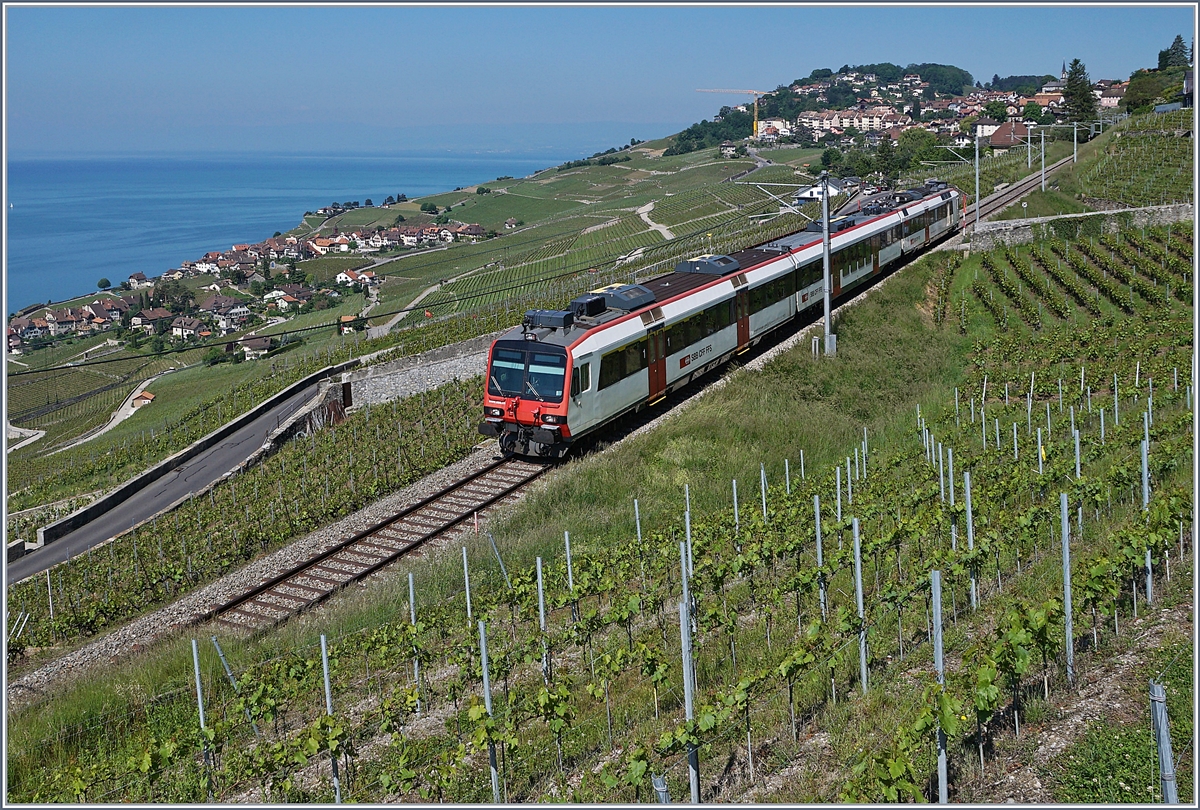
{"points": [[389, 78]]}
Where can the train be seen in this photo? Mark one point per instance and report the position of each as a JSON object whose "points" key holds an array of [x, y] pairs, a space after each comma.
{"points": [[562, 375]]}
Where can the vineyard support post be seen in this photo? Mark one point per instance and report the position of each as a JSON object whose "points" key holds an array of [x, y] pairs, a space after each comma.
{"points": [[571, 578], [1162, 737], [200, 708], [337, 787], [849, 484], [821, 555], [1069, 638], [858, 598], [1076, 434], [938, 662], [412, 617], [1015, 442], [693, 754], [838, 475], [1040, 452], [941, 472], [802, 476], [487, 702], [500, 560], [234, 684], [762, 474], [953, 517], [787, 476], [737, 522], [542, 624], [660, 788], [1116, 403], [956, 422], [467, 583], [1102, 427], [970, 537]]}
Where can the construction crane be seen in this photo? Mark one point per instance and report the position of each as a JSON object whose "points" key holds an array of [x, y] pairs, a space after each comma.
{"points": [[754, 93]]}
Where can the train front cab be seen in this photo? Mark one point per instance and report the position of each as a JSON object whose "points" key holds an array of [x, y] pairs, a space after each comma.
{"points": [[525, 401]]}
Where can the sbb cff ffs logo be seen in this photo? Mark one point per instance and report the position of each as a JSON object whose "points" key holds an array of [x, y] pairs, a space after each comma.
{"points": [[684, 362]]}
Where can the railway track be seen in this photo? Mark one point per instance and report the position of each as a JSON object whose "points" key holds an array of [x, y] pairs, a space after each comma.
{"points": [[1004, 197], [314, 580]]}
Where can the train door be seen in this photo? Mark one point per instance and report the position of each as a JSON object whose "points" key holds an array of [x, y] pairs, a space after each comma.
{"points": [[742, 314], [875, 253], [657, 358]]}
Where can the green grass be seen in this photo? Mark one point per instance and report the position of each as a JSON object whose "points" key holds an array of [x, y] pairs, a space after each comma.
{"points": [[1048, 203]]}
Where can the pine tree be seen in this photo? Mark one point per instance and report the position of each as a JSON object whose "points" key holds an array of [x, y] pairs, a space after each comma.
{"points": [[1177, 54], [1077, 95]]}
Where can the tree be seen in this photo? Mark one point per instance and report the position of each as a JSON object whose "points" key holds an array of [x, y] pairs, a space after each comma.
{"points": [[915, 145], [995, 82], [885, 157], [997, 110], [830, 157], [1177, 54], [1077, 95], [390, 199], [1032, 112], [483, 190], [429, 208], [369, 203], [104, 283]]}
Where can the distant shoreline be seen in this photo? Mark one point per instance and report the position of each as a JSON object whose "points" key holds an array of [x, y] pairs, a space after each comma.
{"points": [[422, 174]]}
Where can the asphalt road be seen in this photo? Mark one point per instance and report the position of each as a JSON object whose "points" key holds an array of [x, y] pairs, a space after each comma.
{"points": [[188, 477]]}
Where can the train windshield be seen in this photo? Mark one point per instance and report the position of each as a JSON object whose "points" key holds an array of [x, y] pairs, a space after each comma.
{"points": [[529, 372]]}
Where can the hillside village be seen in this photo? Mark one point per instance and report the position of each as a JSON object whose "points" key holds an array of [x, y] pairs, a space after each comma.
{"points": [[255, 271], [885, 110]]}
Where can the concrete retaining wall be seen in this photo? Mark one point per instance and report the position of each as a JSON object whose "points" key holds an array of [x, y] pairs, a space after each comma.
{"points": [[87, 514], [1023, 231]]}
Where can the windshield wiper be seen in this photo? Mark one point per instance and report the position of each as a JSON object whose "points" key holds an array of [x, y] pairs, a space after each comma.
{"points": [[534, 390], [499, 387]]}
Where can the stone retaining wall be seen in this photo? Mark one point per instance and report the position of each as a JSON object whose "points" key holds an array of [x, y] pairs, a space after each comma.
{"points": [[1068, 226], [400, 378]]}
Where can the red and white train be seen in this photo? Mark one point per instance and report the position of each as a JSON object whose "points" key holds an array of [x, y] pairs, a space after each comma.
{"points": [[564, 374]]}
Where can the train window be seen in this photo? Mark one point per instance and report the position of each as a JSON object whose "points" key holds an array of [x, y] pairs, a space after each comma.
{"points": [[623, 362], [581, 379], [547, 372], [507, 374], [809, 274]]}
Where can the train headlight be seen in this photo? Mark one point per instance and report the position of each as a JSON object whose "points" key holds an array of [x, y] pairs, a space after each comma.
{"points": [[553, 419], [493, 411]]}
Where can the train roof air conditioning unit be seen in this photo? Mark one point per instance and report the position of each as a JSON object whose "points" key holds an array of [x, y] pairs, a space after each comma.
{"points": [[626, 297], [548, 319]]}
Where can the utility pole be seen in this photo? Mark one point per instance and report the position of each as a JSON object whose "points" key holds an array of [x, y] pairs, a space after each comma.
{"points": [[1075, 142], [976, 178], [830, 338], [1043, 160]]}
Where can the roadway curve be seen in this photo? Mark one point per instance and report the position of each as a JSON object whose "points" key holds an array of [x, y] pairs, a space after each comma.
{"points": [[157, 496]]}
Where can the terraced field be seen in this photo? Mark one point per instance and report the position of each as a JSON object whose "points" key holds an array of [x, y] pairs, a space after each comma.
{"points": [[1149, 161]]}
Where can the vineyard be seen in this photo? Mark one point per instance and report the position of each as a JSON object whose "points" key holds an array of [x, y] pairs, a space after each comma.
{"points": [[796, 619], [309, 483], [1148, 161]]}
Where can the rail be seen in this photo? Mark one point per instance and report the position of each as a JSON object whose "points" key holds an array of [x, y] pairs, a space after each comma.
{"points": [[312, 581]]}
